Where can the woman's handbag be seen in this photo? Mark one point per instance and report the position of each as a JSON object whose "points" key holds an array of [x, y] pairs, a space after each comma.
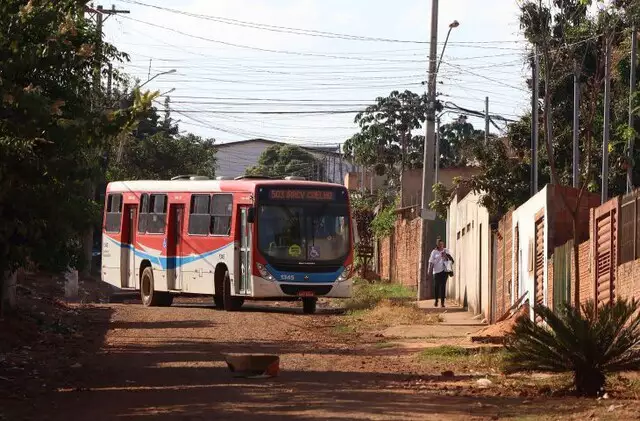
{"points": [[448, 267]]}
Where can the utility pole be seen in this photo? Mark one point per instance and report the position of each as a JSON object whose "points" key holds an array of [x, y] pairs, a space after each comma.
{"points": [[435, 177], [428, 162], [632, 90], [486, 120], [535, 105], [605, 129], [93, 193], [576, 126], [341, 171]]}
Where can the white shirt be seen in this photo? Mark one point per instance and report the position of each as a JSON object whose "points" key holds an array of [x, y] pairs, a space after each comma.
{"points": [[437, 260]]}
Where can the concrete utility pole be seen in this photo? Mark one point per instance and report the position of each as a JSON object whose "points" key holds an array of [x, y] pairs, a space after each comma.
{"points": [[92, 191], [535, 105], [606, 121], [632, 91], [486, 120], [435, 176], [576, 126], [428, 161]]}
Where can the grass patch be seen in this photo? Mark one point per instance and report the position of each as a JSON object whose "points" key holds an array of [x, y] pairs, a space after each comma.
{"points": [[487, 357], [384, 345], [344, 329], [391, 313], [368, 295]]}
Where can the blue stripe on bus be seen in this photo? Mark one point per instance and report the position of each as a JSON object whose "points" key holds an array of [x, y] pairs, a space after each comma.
{"points": [[167, 262], [319, 277]]}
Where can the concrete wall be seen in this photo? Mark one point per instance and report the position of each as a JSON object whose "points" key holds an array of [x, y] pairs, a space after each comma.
{"points": [[524, 218], [469, 240]]}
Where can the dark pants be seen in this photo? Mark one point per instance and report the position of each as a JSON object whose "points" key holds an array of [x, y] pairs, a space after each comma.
{"points": [[440, 281]]}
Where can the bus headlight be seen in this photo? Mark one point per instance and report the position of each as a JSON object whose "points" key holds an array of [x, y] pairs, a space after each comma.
{"points": [[264, 272], [346, 274]]}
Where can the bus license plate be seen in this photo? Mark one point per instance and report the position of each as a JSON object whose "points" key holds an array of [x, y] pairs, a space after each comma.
{"points": [[306, 294]]}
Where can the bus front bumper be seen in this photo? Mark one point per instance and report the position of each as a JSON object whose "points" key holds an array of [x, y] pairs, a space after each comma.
{"points": [[265, 288]]}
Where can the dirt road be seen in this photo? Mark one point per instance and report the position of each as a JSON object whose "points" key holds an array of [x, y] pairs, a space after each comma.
{"points": [[167, 363]]}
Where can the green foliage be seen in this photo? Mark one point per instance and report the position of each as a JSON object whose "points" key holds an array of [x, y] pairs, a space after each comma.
{"points": [[51, 130], [156, 150], [384, 128], [287, 160], [442, 199], [589, 343], [384, 222], [456, 142], [368, 295]]}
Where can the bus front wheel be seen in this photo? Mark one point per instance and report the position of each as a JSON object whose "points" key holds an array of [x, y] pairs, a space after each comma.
{"points": [[309, 305], [150, 297]]}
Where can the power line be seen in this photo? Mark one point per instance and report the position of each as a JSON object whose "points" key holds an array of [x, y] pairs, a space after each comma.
{"points": [[267, 50]]}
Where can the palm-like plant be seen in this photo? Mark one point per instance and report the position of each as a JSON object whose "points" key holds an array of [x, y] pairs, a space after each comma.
{"points": [[589, 342]]}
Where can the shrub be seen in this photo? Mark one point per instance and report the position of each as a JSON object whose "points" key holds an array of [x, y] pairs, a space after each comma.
{"points": [[589, 343]]}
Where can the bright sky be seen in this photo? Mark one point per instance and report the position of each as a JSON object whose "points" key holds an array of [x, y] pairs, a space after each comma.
{"points": [[223, 90]]}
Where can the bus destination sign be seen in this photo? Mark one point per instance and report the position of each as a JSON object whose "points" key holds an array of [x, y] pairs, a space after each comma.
{"points": [[311, 195]]}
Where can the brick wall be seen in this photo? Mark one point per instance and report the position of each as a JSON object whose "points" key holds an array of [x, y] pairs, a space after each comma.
{"points": [[384, 254], [550, 282], [504, 265], [628, 280], [586, 278], [400, 253]]}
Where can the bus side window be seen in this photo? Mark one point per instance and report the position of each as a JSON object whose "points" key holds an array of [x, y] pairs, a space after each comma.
{"points": [[113, 220], [143, 213], [221, 210], [157, 217], [199, 214]]}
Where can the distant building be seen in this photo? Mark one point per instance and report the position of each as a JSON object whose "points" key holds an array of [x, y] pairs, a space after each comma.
{"points": [[235, 157]]}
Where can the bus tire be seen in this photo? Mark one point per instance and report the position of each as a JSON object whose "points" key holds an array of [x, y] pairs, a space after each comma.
{"points": [[229, 302], [150, 297], [309, 305]]}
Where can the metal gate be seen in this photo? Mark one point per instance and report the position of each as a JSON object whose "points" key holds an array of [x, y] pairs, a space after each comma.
{"points": [[605, 253]]}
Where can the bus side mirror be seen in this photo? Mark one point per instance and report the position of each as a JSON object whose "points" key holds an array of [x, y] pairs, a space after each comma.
{"points": [[251, 215]]}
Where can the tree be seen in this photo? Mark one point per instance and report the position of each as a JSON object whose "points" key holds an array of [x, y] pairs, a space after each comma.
{"points": [[155, 150], [590, 342], [281, 160], [386, 142], [455, 142], [49, 129]]}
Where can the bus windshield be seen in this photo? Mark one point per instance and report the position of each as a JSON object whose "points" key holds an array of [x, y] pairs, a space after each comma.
{"points": [[304, 232]]}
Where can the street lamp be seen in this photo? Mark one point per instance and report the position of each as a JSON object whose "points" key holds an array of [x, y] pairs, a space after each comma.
{"points": [[452, 25], [168, 72]]}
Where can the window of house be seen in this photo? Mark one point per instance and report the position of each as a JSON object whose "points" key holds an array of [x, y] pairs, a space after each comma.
{"points": [[200, 214], [113, 220], [221, 209]]}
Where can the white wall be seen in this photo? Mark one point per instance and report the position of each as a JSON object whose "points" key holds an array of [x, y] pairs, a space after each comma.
{"points": [[234, 159], [472, 253], [524, 218]]}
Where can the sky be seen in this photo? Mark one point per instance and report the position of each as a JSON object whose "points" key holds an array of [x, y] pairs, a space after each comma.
{"points": [[240, 72]]}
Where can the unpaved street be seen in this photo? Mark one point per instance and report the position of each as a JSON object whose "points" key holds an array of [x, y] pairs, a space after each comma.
{"points": [[167, 363]]}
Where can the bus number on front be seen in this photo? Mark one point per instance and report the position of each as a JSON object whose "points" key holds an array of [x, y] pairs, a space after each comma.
{"points": [[285, 277]]}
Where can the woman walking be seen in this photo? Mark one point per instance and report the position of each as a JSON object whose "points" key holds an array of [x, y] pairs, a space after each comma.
{"points": [[441, 266]]}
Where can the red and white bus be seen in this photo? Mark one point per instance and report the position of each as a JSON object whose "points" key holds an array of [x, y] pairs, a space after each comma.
{"points": [[247, 238]]}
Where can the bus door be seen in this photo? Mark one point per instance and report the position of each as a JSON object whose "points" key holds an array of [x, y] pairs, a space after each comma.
{"points": [[245, 252], [127, 251], [174, 247]]}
